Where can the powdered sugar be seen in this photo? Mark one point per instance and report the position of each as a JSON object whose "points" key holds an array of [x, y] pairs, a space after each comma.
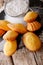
{"points": [[17, 7]]}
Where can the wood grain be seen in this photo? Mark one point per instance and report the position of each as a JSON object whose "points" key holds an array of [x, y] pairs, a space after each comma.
{"points": [[5, 60], [39, 56], [23, 57]]}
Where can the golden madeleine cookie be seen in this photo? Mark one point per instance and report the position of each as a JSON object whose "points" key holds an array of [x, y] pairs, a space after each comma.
{"points": [[1, 32], [10, 47], [33, 26], [20, 28], [31, 41], [10, 35], [3, 25], [30, 16]]}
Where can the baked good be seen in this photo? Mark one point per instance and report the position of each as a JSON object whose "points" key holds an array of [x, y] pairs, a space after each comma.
{"points": [[10, 47], [33, 26], [20, 28], [1, 32], [31, 41], [10, 35], [30, 16], [3, 25]]}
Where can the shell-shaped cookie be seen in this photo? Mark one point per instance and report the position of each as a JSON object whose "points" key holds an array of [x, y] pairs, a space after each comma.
{"points": [[31, 41], [1, 32], [33, 26], [30, 16], [10, 47], [3, 25], [20, 28], [10, 35]]}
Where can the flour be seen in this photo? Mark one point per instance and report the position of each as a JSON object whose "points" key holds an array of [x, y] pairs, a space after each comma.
{"points": [[17, 7]]}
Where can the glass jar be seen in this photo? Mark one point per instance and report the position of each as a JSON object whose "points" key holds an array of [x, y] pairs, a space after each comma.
{"points": [[15, 10]]}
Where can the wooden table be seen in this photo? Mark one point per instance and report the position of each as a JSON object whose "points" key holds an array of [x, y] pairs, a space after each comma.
{"points": [[35, 58]]}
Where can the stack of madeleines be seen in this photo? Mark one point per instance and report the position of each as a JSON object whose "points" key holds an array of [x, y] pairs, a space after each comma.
{"points": [[11, 43], [32, 24], [30, 40]]}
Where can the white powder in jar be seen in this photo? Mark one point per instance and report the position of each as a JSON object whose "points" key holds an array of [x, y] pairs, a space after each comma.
{"points": [[17, 7]]}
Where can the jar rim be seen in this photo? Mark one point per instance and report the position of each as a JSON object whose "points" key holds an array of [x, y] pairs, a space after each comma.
{"points": [[15, 15]]}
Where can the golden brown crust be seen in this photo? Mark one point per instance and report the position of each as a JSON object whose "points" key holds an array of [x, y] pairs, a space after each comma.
{"points": [[1, 32], [33, 26], [10, 35], [3, 25], [31, 41], [30, 16], [20, 28], [10, 47]]}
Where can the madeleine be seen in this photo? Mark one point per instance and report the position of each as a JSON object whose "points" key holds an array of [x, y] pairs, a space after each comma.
{"points": [[3, 25], [31, 41], [33, 26], [10, 35], [10, 47], [30, 16], [20, 28]]}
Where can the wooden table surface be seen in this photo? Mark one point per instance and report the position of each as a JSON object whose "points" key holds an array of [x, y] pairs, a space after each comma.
{"points": [[34, 58]]}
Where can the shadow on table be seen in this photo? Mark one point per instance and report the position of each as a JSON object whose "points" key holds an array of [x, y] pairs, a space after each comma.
{"points": [[2, 14]]}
